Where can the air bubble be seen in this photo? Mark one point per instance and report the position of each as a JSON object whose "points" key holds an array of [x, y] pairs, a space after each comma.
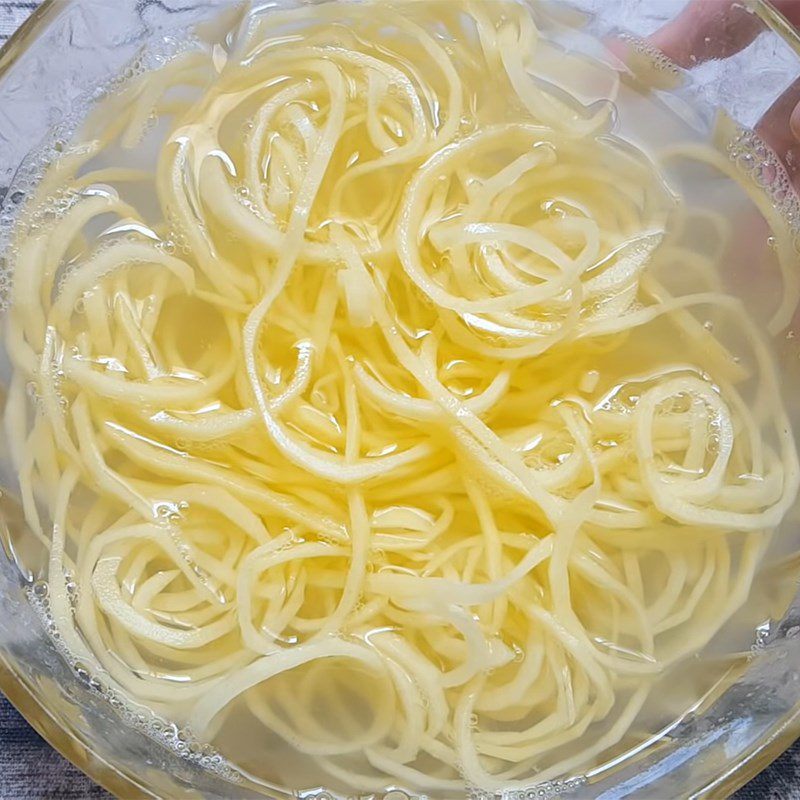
{"points": [[656, 60], [752, 155]]}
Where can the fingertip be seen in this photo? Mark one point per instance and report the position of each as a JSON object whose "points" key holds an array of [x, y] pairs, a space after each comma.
{"points": [[617, 47], [707, 29]]}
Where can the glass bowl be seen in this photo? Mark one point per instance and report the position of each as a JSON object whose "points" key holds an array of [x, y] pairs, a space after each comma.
{"points": [[54, 64]]}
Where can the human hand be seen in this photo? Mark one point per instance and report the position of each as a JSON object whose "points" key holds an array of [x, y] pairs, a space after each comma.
{"points": [[717, 29]]}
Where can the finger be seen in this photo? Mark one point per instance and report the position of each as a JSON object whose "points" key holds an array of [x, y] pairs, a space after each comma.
{"points": [[790, 9], [707, 29], [779, 126]]}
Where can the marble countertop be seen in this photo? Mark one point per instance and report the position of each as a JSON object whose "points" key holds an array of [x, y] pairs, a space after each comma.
{"points": [[31, 770]]}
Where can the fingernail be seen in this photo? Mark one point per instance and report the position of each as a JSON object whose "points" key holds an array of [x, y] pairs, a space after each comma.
{"points": [[794, 122]]}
